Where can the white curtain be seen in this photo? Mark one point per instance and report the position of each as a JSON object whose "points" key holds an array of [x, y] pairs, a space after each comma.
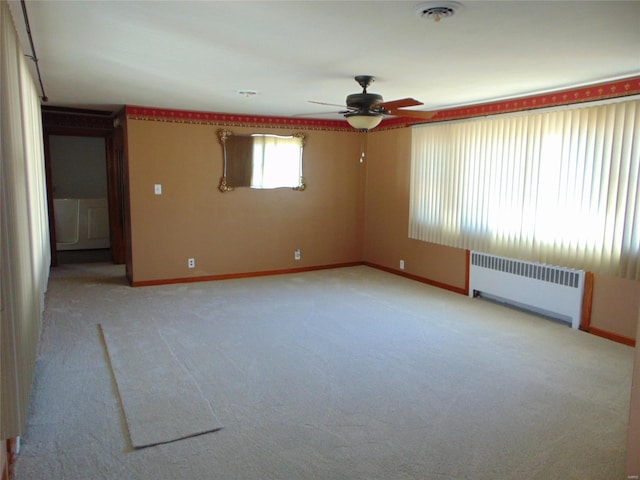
{"points": [[558, 187], [277, 161], [24, 235]]}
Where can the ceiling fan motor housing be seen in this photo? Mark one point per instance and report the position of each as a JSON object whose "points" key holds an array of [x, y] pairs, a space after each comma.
{"points": [[363, 101]]}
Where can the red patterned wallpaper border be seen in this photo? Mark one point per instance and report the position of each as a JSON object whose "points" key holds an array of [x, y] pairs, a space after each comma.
{"points": [[601, 91], [232, 119]]}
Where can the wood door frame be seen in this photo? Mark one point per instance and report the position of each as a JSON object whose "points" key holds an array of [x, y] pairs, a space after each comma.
{"points": [[86, 123]]}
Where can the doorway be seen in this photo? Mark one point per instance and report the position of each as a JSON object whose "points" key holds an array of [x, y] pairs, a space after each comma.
{"points": [[85, 209], [80, 201]]}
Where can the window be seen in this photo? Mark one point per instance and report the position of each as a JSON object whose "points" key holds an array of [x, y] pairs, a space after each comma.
{"points": [[276, 161], [558, 187]]}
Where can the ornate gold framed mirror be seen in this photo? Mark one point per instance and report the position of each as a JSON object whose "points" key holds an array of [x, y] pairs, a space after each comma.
{"points": [[261, 161]]}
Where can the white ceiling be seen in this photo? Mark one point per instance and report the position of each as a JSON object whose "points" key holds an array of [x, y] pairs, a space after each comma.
{"points": [[198, 55]]}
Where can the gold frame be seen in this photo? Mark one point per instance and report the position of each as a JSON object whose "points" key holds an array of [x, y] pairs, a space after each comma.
{"points": [[224, 187]]}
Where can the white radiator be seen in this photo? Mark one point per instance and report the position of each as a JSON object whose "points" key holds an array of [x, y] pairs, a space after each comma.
{"points": [[554, 291]]}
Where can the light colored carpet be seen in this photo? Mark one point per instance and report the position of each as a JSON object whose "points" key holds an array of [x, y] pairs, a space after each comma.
{"points": [[350, 373], [161, 401]]}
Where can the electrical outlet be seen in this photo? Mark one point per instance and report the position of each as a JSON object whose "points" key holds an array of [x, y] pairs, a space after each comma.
{"points": [[157, 189], [191, 262], [296, 254], [401, 264]]}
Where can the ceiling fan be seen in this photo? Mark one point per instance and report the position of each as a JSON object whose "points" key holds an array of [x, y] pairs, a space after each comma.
{"points": [[365, 110]]}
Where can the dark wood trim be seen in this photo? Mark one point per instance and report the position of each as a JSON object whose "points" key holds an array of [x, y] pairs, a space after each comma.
{"points": [[587, 301], [52, 218], [467, 270], [433, 283], [72, 118], [229, 276], [76, 111], [74, 132], [11, 446], [115, 194], [125, 195], [5, 463], [612, 336]]}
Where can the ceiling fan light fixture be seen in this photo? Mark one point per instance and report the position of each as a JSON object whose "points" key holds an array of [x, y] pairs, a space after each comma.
{"points": [[364, 121]]}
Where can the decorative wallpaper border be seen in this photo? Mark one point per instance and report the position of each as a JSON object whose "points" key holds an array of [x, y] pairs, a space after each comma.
{"points": [[232, 119], [591, 93], [601, 91]]}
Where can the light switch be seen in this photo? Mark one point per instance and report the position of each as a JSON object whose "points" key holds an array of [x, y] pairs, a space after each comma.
{"points": [[157, 189]]}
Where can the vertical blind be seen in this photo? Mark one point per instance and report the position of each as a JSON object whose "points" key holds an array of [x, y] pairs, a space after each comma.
{"points": [[24, 233], [558, 187]]}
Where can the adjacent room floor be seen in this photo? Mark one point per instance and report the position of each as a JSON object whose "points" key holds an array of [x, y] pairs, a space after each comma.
{"points": [[350, 373]]}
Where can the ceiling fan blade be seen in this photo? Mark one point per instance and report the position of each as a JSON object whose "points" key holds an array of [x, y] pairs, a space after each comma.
{"points": [[331, 104], [401, 103], [316, 114], [413, 114]]}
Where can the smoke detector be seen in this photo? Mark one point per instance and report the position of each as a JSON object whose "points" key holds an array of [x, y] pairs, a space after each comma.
{"points": [[436, 11]]}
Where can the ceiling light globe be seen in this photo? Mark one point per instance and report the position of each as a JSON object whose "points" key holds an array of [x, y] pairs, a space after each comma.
{"points": [[364, 122]]}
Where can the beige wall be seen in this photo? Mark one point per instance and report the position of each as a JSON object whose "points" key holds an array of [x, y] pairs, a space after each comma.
{"points": [[246, 230], [387, 215], [615, 301]]}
